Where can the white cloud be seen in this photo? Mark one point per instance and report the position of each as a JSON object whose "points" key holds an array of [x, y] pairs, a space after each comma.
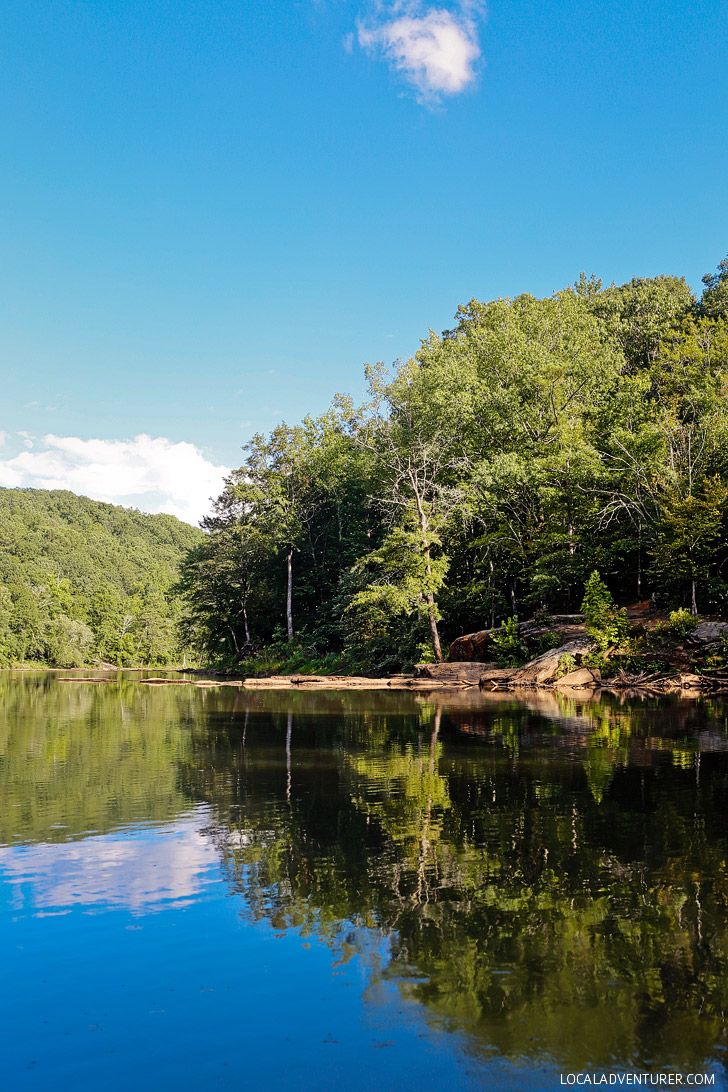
{"points": [[150, 473], [435, 49]]}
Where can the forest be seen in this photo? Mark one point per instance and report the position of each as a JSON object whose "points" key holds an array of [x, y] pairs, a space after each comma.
{"points": [[486, 478], [535, 443], [82, 581]]}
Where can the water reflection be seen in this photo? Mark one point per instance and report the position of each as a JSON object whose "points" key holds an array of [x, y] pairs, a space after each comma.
{"points": [[547, 877], [139, 870], [551, 879]]}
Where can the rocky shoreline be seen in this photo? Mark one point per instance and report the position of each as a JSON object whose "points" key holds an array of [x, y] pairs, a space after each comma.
{"points": [[485, 678], [567, 668], [543, 672]]}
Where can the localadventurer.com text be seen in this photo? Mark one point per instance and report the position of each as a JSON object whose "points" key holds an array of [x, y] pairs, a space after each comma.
{"points": [[637, 1079]]}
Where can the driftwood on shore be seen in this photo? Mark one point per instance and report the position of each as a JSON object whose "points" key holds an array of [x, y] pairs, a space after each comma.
{"points": [[77, 678], [354, 682]]}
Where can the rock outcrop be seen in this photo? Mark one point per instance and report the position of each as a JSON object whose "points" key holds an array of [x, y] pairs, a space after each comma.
{"points": [[478, 647], [451, 672], [472, 647], [582, 677], [708, 634], [544, 668]]}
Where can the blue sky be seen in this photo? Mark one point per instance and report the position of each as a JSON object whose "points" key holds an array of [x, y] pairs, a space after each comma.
{"points": [[214, 213]]}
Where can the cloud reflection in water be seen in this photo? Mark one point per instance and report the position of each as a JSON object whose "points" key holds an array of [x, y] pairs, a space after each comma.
{"points": [[138, 869]]}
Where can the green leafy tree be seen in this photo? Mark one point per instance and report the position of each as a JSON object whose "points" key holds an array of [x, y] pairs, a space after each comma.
{"points": [[604, 622], [714, 301], [69, 643], [416, 457], [688, 536], [63, 557], [510, 650], [401, 582]]}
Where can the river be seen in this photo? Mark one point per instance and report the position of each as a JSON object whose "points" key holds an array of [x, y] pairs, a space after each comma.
{"points": [[264, 890]]}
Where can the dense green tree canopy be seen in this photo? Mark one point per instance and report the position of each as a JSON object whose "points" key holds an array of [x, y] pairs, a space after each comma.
{"points": [[489, 475]]}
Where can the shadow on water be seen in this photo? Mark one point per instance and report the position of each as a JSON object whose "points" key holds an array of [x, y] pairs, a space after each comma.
{"points": [[545, 876]]}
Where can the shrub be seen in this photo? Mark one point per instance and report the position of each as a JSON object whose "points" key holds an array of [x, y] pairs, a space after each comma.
{"points": [[681, 622], [598, 660], [567, 664], [605, 623], [509, 649], [547, 641], [718, 658]]}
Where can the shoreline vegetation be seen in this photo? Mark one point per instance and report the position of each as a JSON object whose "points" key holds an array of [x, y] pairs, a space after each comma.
{"points": [[690, 654], [563, 460]]}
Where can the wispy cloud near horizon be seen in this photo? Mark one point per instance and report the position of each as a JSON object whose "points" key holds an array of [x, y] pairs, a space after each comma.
{"points": [[153, 474], [435, 49]]}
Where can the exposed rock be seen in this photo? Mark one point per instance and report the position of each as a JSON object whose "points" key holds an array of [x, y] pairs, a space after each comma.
{"points": [[472, 647], [544, 668], [451, 672], [478, 647], [707, 633], [497, 678], [583, 676]]}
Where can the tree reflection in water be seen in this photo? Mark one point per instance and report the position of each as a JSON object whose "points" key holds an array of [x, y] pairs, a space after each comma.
{"points": [[548, 876]]}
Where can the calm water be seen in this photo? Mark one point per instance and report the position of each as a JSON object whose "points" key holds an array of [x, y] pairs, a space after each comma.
{"points": [[224, 889]]}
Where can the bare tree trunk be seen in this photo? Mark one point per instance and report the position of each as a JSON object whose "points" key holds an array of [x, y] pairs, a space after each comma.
{"points": [[434, 635], [694, 603], [432, 613], [289, 593], [245, 616], [492, 594], [431, 610]]}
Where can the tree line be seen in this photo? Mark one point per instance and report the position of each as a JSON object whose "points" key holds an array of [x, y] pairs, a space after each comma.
{"points": [[488, 476]]}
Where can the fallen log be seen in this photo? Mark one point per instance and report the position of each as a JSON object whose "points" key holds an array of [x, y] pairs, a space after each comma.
{"points": [[77, 678]]}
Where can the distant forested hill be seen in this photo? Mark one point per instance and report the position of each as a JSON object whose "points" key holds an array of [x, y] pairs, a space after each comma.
{"points": [[82, 580]]}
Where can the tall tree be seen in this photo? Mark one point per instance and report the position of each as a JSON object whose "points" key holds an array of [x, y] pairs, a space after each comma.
{"points": [[417, 459]]}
